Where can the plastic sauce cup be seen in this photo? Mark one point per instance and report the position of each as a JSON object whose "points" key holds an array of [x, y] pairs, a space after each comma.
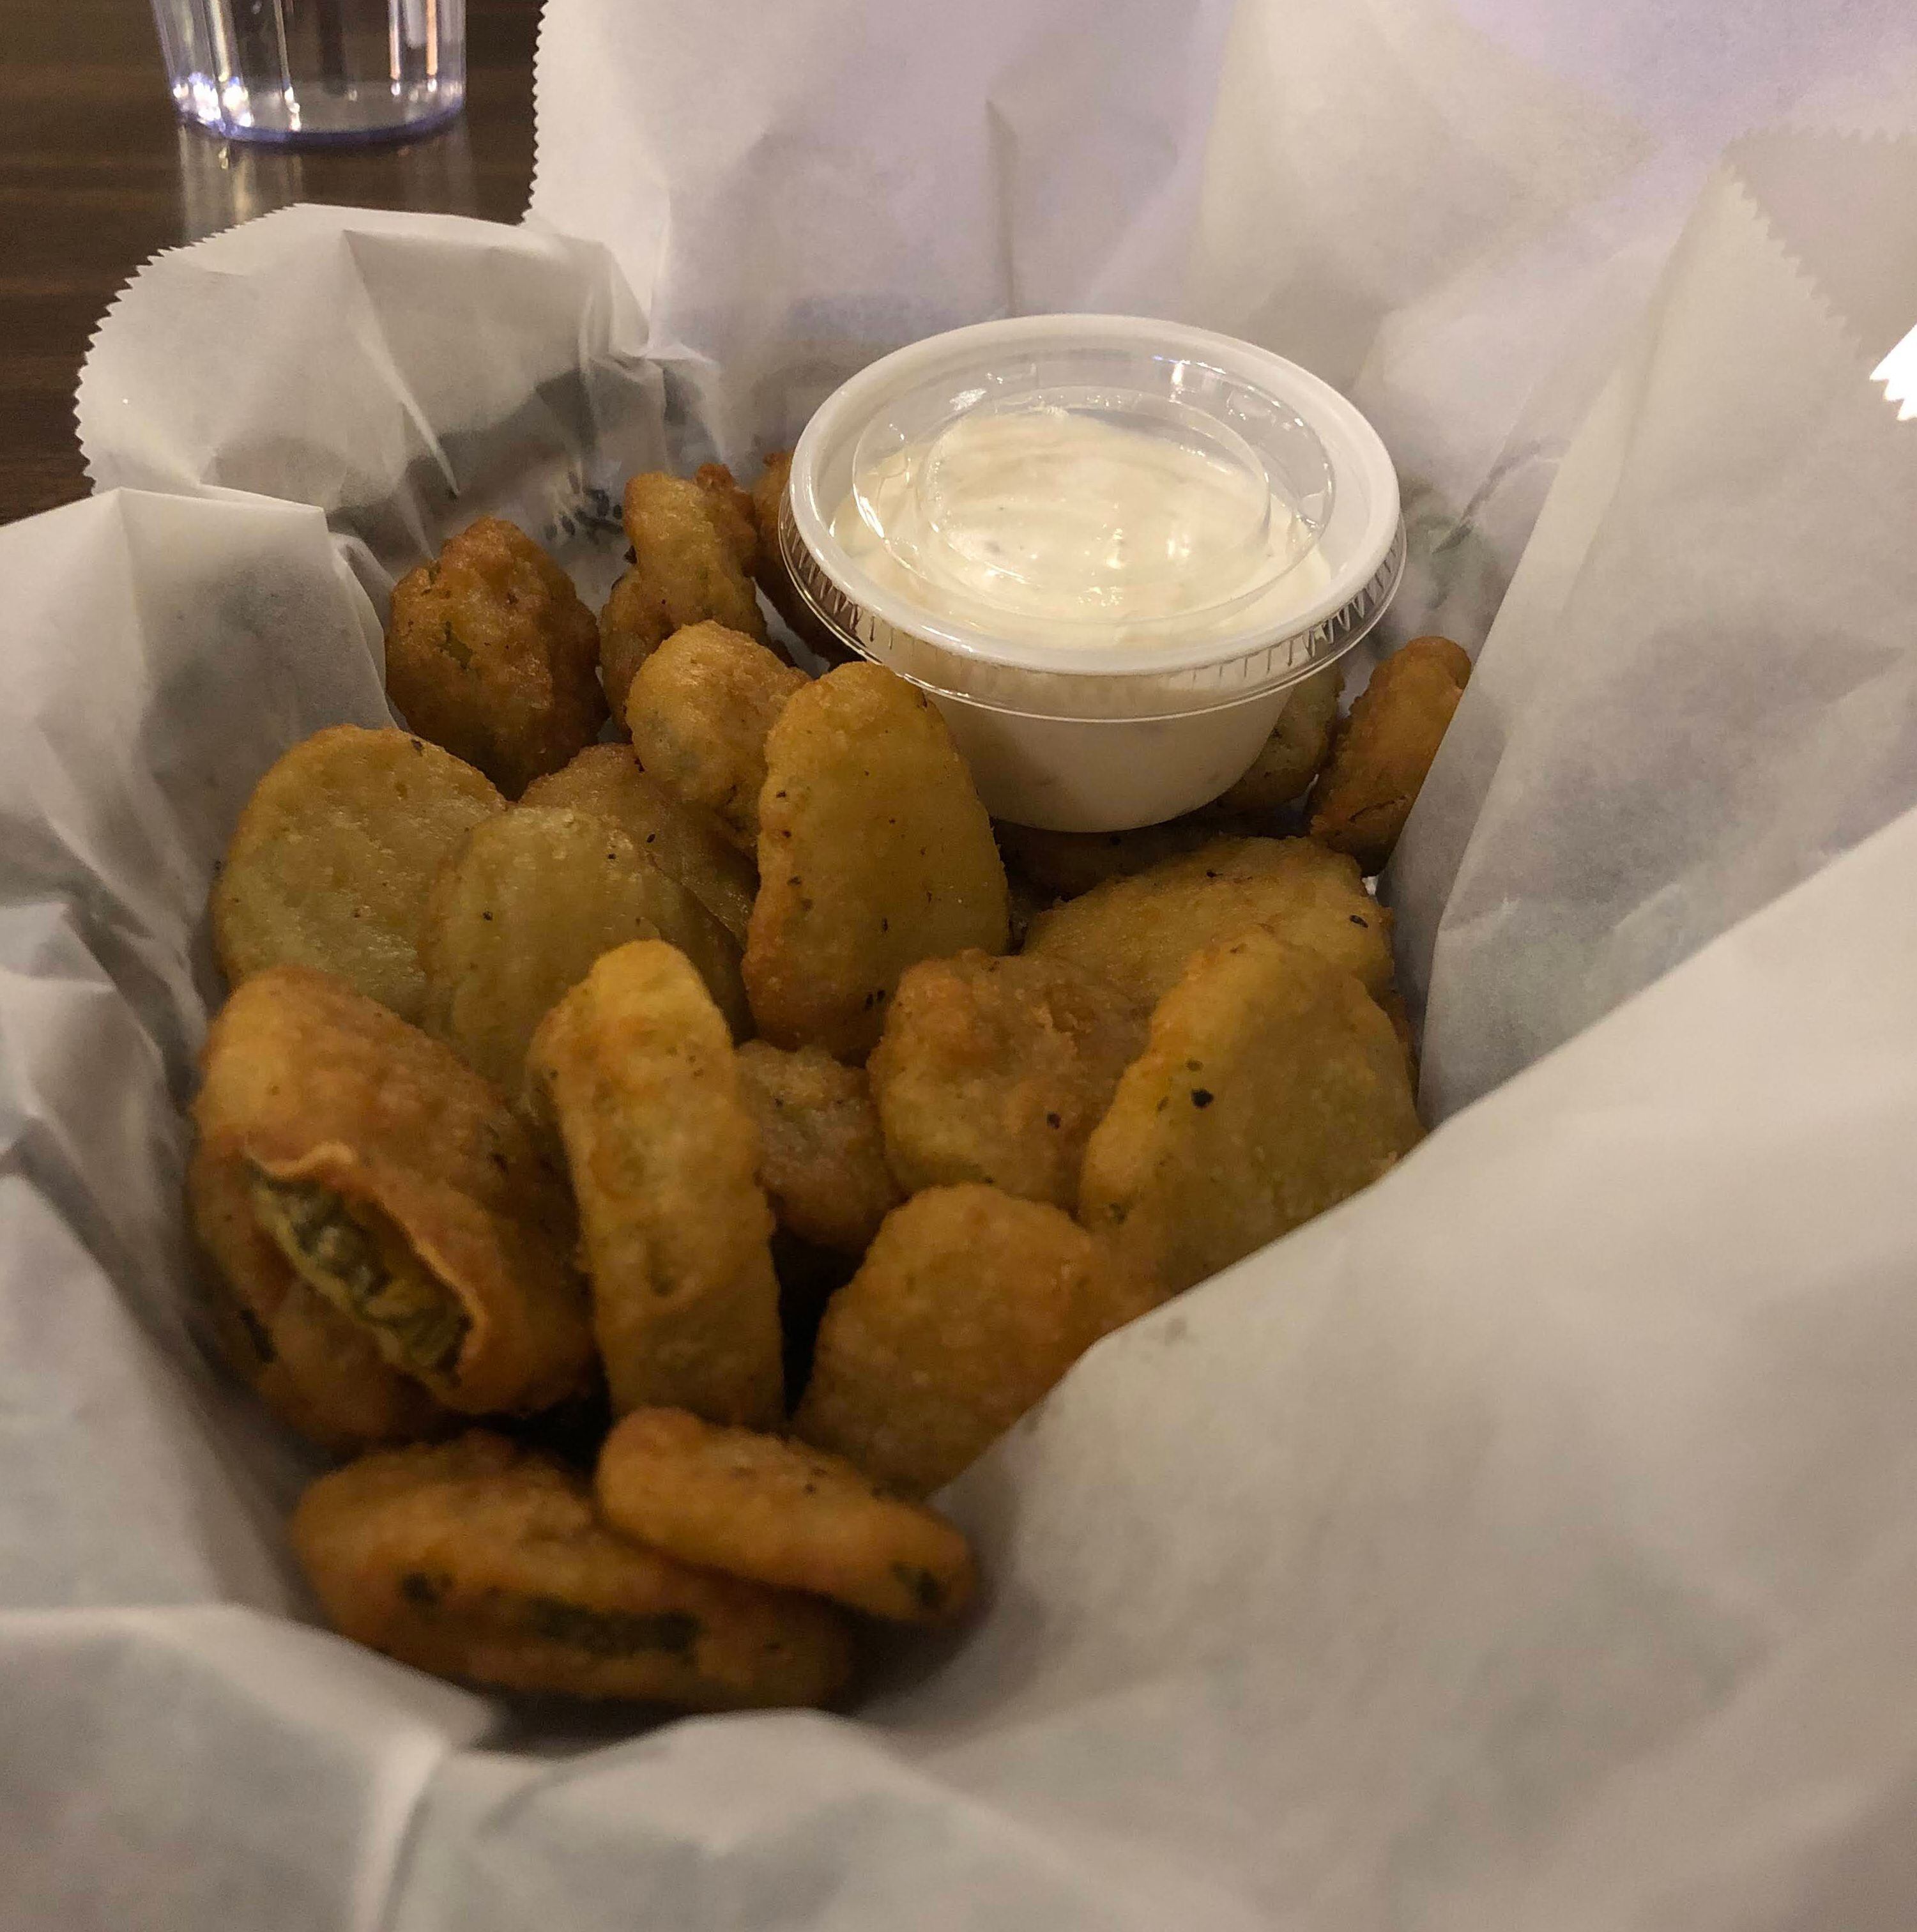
{"points": [[1108, 548]]}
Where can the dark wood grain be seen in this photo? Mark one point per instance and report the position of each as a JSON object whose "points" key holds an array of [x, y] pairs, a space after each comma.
{"points": [[96, 175]]}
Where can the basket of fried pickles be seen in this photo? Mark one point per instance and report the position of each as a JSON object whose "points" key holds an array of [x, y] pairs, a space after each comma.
{"points": [[662, 1131]]}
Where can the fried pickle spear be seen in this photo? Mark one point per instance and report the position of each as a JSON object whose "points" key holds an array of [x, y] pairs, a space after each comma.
{"points": [[1138, 932], [1380, 758], [699, 709], [490, 653], [686, 843], [968, 1307], [1274, 1087], [635, 1065], [821, 1156], [524, 908], [480, 1561], [873, 853], [395, 1184], [1294, 753], [330, 863], [776, 1512], [688, 567], [997, 1070]]}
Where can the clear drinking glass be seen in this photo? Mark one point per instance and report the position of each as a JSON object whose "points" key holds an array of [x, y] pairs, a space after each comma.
{"points": [[315, 71]]}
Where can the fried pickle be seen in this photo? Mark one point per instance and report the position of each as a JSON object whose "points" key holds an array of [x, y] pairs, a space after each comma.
{"points": [[687, 568], [521, 911], [1294, 753], [821, 1156], [395, 1184], [490, 653], [969, 1306], [319, 1372], [777, 1512], [329, 864], [873, 853], [688, 844], [1138, 932], [1067, 865], [635, 1065], [478, 1560], [997, 1070], [732, 510], [774, 579], [699, 709], [1273, 1088], [1380, 755]]}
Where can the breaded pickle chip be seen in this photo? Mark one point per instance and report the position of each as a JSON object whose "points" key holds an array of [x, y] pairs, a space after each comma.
{"points": [[330, 863], [1065, 865], [873, 853], [1293, 754], [481, 1561], [732, 511], [396, 1185], [775, 579], [687, 844], [687, 568], [1139, 932], [997, 1070], [1381, 756], [776, 1512], [635, 1065], [633, 621], [1274, 1087], [522, 911], [968, 1307], [821, 1156], [699, 709], [490, 653], [319, 1372]]}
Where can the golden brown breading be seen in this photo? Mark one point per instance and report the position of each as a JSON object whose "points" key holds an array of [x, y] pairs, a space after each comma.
{"points": [[873, 853], [633, 621], [821, 1157], [1385, 748], [686, 570], [1392, 1002], [396, 1184], [768, 494], [1274, 1088], [775, 579], [1294, 753], [997, 1070], [522, 911], [732, 510], [1067, 864], [635, 1065], [776, 1512], [490, 653], [480, 1561], [699, 709], [329, 864], [1138, 932], [970, 1305], [687, 843]]}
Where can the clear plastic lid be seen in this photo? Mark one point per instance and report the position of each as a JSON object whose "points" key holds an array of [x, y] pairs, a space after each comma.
{"points": [[1092, 515]]}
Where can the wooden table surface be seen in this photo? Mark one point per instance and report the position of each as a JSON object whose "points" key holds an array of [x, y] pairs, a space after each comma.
{"points": [[96, 175]]}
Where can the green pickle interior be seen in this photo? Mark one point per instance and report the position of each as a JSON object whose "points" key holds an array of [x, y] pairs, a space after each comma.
{"points": [[415, 1320]]}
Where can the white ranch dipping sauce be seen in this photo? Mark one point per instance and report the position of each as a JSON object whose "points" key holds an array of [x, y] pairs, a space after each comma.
{"points": [[1053, 526]]}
